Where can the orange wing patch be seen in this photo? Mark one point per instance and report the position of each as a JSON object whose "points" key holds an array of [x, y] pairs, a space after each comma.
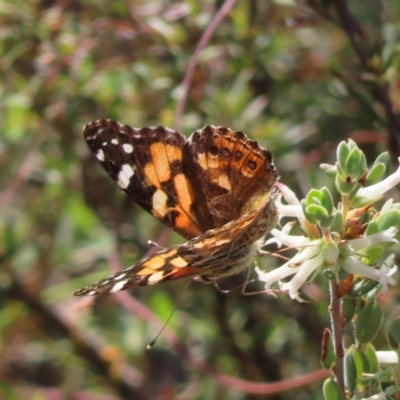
{"points": [[174, 193]]}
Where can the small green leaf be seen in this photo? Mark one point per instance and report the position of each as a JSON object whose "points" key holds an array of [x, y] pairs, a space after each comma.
{"points": [[394, 330], [337, 221], [388, 219], [327, 200], [393, 344], [332, 390], [373, 254], [356, 164], [372, 358], [361, 363], [375, 174], [372, 228], [326, 223], [369, 322], [315, 213], [384, 158], [349, 309], [342, 154], [362, 287], [350, 372], [314, 196]]}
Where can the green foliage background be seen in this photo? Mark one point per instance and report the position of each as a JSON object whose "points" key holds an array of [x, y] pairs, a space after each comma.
{"points": [[297, 77]]}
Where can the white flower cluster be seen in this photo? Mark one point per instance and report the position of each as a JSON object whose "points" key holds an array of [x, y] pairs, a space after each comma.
{"points": [[338, 254]]}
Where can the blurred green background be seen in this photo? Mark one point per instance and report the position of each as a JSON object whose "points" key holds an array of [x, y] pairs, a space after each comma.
{"points": [[297, 77]]}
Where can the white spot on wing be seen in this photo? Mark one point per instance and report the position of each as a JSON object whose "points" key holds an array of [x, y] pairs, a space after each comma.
{"points": [[114, 141], [125, 175], [128, 148], [117, 278], [100, 155], [118, 286], [160, 202], [155, 278]]}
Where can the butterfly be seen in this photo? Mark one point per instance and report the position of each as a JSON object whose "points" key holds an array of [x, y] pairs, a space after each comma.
{"points": [[216, 189]]}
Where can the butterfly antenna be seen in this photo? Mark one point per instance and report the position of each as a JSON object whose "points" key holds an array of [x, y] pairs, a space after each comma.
{"points": [[151, 243], [152, 343]]}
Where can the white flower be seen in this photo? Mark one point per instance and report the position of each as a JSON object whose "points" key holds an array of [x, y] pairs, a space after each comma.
{"points": [[387, 357], [370, 194], [330, 250], [288, 194], [313, 254], [293, 208], [386, 236], [302, 265], [282, 237], [303, 273], [383, 275]]}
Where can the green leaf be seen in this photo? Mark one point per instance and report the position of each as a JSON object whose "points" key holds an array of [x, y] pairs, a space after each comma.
{"points": [[369, 322], [350, 372], [388, 219], [362, 287], [373, 254], [315, 213], [375, 174], [314, 196], [349, 309], [384, 158], [332, 390], [337, 223], [370, 352], [327, 200], [356, 164], [342, 153], [361, 363], [394, 333], [372, 228]]}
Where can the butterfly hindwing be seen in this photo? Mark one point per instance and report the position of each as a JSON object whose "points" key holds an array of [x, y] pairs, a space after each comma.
{"points": [[216, 253]]}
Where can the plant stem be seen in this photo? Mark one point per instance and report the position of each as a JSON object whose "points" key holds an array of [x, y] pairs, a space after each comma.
{"points": [[337, 331]]}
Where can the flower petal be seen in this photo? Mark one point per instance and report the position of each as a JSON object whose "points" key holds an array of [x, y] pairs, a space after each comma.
{"points": [[305, 270], [370, 194], [383, 275], [386, 236]]}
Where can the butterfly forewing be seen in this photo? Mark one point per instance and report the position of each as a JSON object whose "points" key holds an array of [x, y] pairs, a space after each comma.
{"points": [[235, 172], [146, 163]]}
